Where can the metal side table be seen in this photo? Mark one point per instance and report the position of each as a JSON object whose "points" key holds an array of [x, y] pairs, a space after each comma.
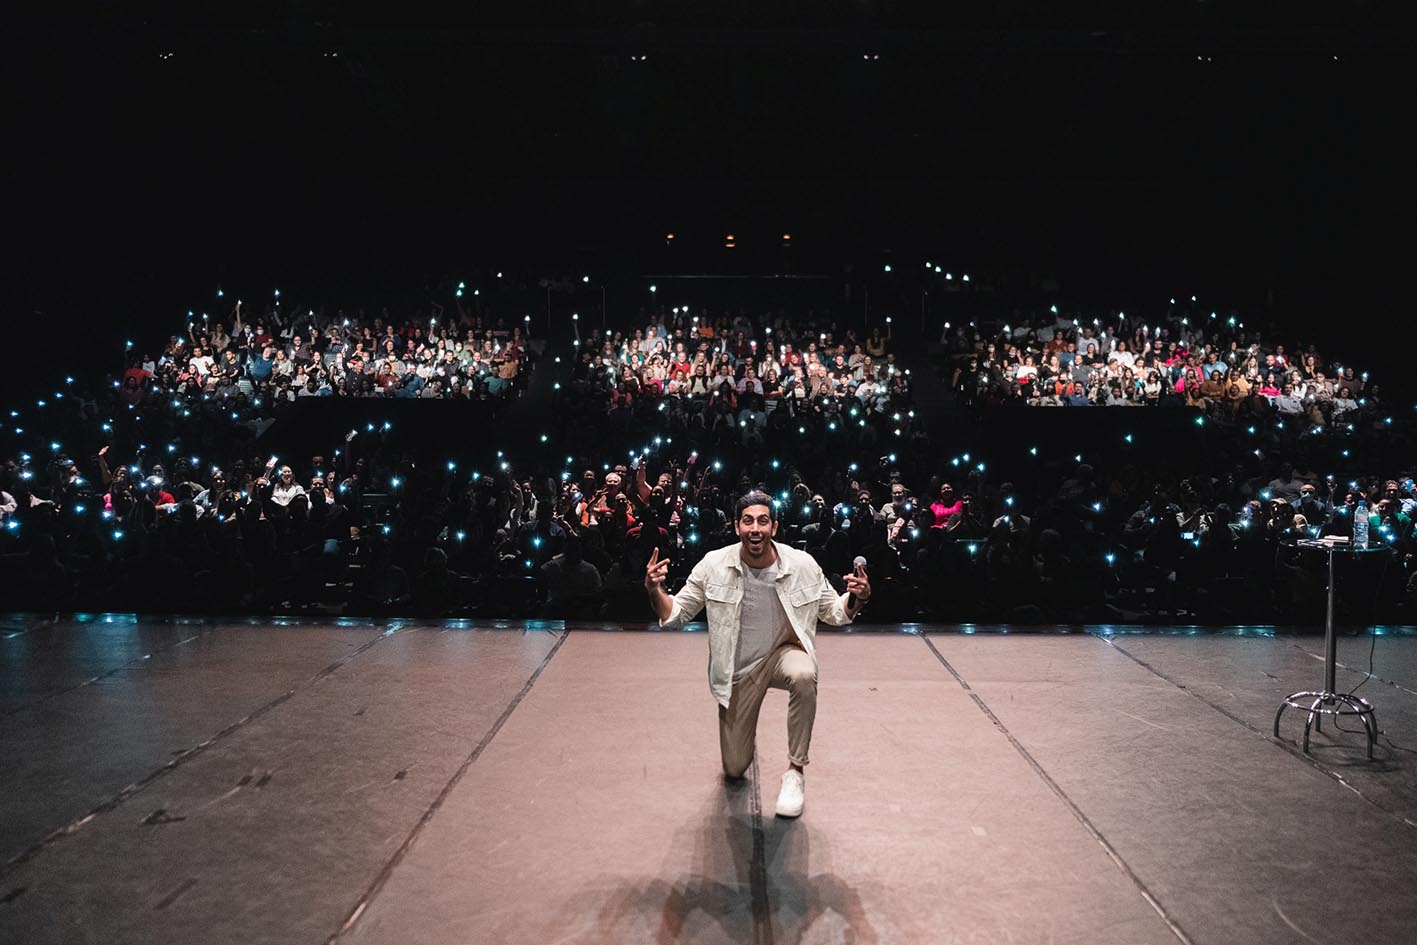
{"points": [[1329, 701]]}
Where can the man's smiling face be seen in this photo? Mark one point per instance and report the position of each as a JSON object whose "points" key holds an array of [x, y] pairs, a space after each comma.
{"points": [[756, 528]]}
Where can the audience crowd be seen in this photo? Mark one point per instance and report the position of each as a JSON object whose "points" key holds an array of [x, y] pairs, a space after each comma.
{"points": [[738, 380], [280, 355], [715, 405], [1180, 358]]}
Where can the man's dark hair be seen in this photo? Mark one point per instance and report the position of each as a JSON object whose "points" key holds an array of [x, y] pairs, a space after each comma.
{"points": [[754, 498]]}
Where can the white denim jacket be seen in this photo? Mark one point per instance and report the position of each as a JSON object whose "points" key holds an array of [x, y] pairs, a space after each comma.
{"points": [[717, 582]]}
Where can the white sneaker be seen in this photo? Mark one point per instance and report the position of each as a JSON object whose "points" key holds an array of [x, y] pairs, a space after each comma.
{"points": [[790, 800]]}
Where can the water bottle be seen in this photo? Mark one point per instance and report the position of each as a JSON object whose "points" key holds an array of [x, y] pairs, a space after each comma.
{"points": [[1360, 525]]}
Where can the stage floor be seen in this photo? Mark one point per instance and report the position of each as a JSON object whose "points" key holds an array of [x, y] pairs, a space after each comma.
{"points": [[414, 783]]}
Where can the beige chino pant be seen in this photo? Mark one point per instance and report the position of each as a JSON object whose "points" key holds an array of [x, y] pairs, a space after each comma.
{"points": [[787, 667]]}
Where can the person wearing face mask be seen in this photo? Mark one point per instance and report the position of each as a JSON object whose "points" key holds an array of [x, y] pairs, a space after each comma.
{"points": [[764, 601], [1311, 504]]}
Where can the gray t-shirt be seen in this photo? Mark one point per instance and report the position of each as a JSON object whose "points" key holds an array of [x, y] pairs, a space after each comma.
{"points": [[765, 626]]}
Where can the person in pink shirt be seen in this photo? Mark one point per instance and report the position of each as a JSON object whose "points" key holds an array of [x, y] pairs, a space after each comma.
{"points": [[947, 507]]}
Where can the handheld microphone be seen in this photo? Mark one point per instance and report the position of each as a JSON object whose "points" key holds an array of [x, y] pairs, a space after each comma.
{"points": [[851, 602]]}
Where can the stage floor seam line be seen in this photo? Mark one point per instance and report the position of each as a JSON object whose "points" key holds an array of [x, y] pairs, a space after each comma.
{"points": [[1112, 853], [186, 755], [382, 878], [34, 620], [1292, 750], [758, 872], [103, 675], [1353, 669]]}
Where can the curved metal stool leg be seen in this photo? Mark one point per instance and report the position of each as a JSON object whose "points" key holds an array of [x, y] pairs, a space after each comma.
{"points": [[1369, 718], [1314, 716], [1293, 701]]}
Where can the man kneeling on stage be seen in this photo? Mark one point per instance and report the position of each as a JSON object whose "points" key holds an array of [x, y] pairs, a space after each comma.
{"points": [[764, 600]]}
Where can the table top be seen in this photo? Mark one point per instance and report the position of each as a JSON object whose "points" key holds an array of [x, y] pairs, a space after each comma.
{"points": [[1342, 549]]}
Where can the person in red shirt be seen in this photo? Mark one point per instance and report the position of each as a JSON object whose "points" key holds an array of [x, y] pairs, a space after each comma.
{"points": [[134, 386], [513, 350], [155, 491], [680, 365]]}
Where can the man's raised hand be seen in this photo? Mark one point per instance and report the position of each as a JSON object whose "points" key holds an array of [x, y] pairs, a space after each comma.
{"points": [[656, 571]]}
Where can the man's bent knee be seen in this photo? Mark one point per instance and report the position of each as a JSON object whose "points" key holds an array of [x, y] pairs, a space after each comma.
{"points": [[736, 768], [802, 680]]}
